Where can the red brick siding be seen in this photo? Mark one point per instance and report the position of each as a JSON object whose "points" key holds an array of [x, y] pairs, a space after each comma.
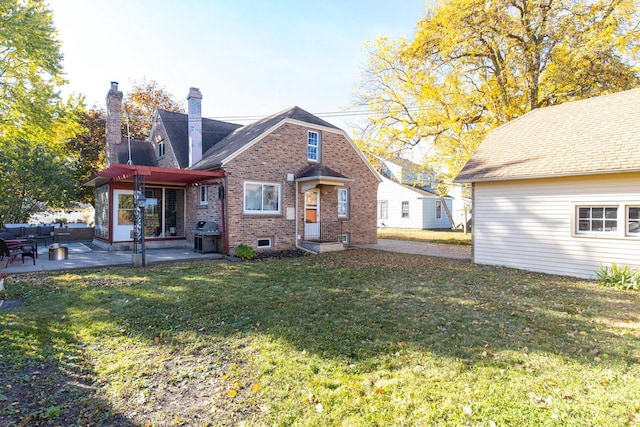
{"points": [[169, 159], [285, 151]]}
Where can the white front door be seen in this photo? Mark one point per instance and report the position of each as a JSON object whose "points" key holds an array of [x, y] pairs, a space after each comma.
{"points": [[312, 214], [122, 215]]}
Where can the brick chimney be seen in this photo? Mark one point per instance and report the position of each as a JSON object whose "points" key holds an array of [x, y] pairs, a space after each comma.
{"points": [[114, 123], [194, 100]]}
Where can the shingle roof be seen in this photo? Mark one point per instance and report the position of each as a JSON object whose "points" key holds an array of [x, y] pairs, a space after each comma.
{"points": [[142, 153], [319, 171], [177, 129], [596, 135], [213, 157]]}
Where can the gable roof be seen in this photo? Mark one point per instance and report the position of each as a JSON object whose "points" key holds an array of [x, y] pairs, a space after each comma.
{"points": [[594, 136], [424, 191], [176, 126], [243, 136]]}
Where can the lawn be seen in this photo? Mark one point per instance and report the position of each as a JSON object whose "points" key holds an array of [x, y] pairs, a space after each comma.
{"points": [[357, 338], [428, 236]]}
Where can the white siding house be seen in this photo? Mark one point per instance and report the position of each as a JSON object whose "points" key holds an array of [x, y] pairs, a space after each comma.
{"points": [[558, 189], [405, 206]]}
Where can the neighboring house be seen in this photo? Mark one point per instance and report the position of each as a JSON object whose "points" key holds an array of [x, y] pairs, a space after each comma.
{"points": [[406, 206], [406, 198], [288, 180], [558, 189]]}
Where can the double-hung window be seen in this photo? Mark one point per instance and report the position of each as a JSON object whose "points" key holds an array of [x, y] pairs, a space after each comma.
{"points": [[313, 146], [405, 209], [343, 202], [383, 209], [262, 198]]}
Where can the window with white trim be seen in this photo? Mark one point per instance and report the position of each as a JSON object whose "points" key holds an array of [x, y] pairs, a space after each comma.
{"points": [[262, 198], [313, 146], [383, 209], [344, 238], [343, 202], [633, 220], [203, 195], [264, 243], [597, 219], [405, 209], [161, 149]]}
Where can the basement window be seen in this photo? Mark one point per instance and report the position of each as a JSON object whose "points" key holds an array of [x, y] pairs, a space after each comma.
{"points": [[265, 243]]}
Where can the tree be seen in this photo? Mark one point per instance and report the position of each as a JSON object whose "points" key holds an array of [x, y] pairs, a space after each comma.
{"points": [[474, 65], [89, 149], [35, 124], [30, 63], [142, 102]]}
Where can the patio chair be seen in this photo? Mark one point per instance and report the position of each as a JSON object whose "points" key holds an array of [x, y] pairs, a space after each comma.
{"points": [[13, 249]]}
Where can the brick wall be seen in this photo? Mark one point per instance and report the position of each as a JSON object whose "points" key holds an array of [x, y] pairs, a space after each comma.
{"points": [[169, 159], [282, 152]]}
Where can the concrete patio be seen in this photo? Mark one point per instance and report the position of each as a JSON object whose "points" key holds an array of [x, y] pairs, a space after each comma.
{"points": [[86, 255]]}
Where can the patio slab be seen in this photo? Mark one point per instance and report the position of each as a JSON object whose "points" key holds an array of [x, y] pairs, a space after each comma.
{"points": [[85, 255]]}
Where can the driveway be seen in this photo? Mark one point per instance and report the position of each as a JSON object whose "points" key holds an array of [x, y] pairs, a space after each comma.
{"points": [[421, 248]]}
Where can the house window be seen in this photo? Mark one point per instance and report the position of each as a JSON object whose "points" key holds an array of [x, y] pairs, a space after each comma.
{"points": [[265, 243], [383, 209], [313, 146], [343, 202], [125, 209], [203, 195], [633, 220], [405, 209], [438, 209], [597, 219], [261, 198], [344, 238], [161, 149]]}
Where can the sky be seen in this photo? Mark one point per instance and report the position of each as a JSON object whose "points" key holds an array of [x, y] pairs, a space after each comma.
{"points": [[249, 58]]}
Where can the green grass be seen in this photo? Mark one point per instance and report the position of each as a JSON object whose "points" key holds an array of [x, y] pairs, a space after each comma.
{"points": [[357, 338], [428, 236]]}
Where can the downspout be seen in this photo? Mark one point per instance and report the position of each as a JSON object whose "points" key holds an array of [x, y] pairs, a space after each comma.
{"points": [[297, 225], [225, 243]]}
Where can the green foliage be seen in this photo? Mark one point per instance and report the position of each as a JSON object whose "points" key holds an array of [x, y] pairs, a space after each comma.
{"points": [[475, 65], [143, 100], [245, 253], [36, 169], [620, 278], [89, 149]]}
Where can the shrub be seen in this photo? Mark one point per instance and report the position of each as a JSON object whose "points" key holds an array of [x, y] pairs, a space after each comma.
{"points": [[245, 253], [616, 277]]}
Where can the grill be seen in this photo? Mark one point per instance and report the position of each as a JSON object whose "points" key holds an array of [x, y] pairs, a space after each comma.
{"points": [[205, 236]]}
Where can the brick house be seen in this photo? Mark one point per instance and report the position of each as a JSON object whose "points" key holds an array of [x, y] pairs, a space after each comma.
{"points": [[288, 180]]}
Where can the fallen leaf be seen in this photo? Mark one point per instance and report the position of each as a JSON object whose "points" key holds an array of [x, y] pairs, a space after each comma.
{"points": [[255, 388], [232, 393]]}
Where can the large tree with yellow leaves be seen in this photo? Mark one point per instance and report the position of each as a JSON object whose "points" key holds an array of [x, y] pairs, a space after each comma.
{"points": [[474, 65]]}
